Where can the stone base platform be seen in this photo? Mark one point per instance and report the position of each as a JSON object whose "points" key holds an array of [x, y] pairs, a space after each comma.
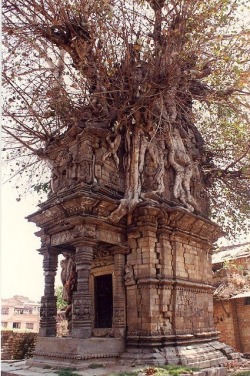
{"points": [[70, 351], [202, 355]]}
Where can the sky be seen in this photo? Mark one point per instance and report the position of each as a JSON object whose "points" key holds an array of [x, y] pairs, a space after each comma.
{"points": [[21, 264]]}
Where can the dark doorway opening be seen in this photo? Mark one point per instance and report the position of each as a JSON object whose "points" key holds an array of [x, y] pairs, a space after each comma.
{"points": [[103, 301]]}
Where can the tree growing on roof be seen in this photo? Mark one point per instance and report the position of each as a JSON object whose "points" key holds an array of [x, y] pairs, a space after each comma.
{"points": [[173, 71]]}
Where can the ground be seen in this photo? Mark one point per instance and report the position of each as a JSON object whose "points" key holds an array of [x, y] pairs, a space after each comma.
{"points": [[19, 368]]}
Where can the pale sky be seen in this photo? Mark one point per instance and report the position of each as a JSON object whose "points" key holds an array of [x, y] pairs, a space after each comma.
{"points": [[21, 264]]}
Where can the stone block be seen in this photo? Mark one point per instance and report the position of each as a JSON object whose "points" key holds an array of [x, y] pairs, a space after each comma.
{"points": [[216, 371]]}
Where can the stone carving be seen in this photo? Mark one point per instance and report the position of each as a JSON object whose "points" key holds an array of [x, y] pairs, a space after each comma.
{"points": [[81, 310], [113, 142], [61, 237], [119, 316], [129, 275], [69, 281], [102, 257], [59, 171], [48, 316], [71, 165]]}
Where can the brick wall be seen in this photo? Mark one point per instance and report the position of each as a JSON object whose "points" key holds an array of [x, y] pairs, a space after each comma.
{"points": [[224, 323], [232, 319], [243, 315], [17, 345]]}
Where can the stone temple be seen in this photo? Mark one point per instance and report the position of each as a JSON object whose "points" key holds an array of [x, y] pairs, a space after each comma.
{"points": [[138, 286]]}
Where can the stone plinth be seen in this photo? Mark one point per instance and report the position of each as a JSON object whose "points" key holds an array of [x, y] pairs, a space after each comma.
{"points": [[70, 351]]}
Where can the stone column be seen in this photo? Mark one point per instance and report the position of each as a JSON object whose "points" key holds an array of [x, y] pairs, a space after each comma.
{"points": [[143, 285], [48, 309], [82, 301], [119, 300]]}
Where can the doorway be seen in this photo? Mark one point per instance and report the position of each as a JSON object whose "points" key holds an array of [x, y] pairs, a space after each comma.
{"points": [[103, 301]]}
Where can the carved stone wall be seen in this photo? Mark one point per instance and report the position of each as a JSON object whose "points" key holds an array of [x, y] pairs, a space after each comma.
{"points": [[98, 159], [168, 277], [88, 160]]}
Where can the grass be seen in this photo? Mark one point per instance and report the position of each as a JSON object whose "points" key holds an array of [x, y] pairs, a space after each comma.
{"points": [[168, 370], [95, 365], [241, 373], [176, 370], [66, 372], [133, 373]]}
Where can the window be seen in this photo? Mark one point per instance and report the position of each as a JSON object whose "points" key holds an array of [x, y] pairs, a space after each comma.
{"points": [[247, 301], [19, 311], [29, 325], [27, 311], [16, 325], [4, 310], [4, 324]]}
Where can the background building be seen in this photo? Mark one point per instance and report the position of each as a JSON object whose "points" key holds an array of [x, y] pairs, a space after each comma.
{"points": [[231, 266], [20, 314]]}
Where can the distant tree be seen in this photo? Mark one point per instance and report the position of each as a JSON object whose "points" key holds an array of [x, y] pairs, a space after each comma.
{"points": [[174, 70], [61, 304]]}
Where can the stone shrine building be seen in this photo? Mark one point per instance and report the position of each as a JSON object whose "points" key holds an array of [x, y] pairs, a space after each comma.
{"points": [[137, 278]]}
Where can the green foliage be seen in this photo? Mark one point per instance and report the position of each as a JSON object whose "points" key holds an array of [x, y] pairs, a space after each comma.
{"points": [[95, 365], [175, 370], [168, 370], [60, 303], [67, 372], [133, 373], [41, 187], [241, 373]]}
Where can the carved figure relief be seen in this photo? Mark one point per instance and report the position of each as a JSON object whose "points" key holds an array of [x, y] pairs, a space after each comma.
{"points": [[69, 281], [129, 275], [102, 257], [59, 171], [81, 311], [113, 142], [72, 166]]}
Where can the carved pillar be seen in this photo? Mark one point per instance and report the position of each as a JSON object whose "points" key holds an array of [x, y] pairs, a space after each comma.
{"points": [[142, 280], [82, 302], [48, 302], [119, 300]]}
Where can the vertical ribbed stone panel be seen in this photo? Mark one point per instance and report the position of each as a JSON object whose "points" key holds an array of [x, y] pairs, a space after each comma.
{"points": [[119, 312], [82, 300], [48, 310]]}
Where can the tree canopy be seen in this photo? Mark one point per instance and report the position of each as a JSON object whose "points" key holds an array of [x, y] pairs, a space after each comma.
{"points": [[127, 65], [60, 303]]}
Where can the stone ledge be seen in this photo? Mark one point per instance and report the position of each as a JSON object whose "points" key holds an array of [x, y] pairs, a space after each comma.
{"points": [[195, 355]]}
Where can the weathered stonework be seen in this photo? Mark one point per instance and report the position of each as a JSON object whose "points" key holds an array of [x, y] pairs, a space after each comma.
{"points": [[145, 280]]}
